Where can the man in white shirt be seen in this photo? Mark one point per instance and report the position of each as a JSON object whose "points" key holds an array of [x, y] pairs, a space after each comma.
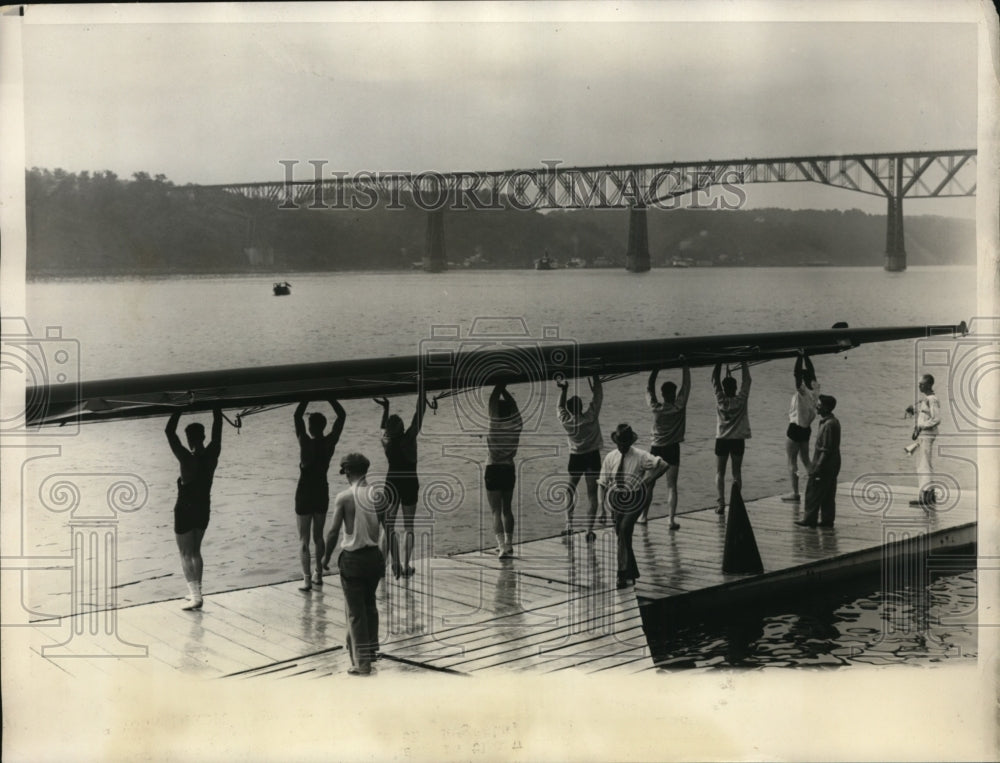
{"points": [[361, 562], [627, 474], [801, 413], [928, 413]]}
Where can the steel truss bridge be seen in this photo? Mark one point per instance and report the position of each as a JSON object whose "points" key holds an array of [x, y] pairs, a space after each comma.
{"points": [[636, 187]]}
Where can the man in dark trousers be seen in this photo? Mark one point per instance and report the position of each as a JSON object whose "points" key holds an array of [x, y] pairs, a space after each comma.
{"points": [[361, 563], [821, 491], [627, 475]]}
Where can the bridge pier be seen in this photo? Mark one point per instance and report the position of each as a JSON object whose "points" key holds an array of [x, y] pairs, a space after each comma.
{"points": [[895, 251], [434, 254], [637, 256]]}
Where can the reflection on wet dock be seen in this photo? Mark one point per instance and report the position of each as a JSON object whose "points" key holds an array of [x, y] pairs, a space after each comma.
{"points": [[553, 607]]}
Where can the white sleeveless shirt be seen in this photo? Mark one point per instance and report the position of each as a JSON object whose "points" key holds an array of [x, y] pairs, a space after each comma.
{"points": [[366, 527]]}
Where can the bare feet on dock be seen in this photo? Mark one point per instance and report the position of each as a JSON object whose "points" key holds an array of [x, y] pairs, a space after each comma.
{"points": [[192, 603]]}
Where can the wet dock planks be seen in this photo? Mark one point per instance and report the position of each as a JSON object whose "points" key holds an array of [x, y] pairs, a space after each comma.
{"points": [[553, 607]]}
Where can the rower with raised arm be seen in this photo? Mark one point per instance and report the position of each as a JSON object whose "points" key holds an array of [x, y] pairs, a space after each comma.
{"points": [[583, 431], [194, 496], [732, 428], [312, 494], [669, 421], [801, 413], [500, 476], [402, 485]]}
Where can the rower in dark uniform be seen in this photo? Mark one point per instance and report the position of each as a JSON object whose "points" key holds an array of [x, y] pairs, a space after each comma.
{"points": [[402, 485], [312, 496], [194, 495]]}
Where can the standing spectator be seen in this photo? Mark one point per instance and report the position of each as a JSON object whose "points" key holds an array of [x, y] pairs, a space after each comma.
{"points": [[627, 474], [928, 413], [361, 562], [821, 492]]}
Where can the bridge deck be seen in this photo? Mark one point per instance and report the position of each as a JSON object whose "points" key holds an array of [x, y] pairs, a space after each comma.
{"points": [[553, 607]]}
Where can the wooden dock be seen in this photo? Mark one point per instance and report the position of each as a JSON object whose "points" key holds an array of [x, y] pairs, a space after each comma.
{"points": [[553, 607]]}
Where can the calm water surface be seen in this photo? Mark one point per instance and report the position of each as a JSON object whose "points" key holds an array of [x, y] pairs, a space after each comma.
{"points": [[135, 327], [855, 624]]}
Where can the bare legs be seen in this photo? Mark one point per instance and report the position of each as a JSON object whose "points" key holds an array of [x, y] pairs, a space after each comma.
{"points": [[720, 477], [503, 520], [311, 525], [392, 539], [794, 452], [671, 480], [574, 480], [591, 481], [189, 545]]}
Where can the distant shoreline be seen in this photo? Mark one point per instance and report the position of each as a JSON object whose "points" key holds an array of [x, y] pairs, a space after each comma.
{"points": [[291, 274]]}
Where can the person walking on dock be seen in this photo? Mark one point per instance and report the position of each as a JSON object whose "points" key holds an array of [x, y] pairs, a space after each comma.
{"points": [[627, 475], [361, 562], [732, 428], [668, 434], [801, 413], [501, 442], [928, 413], [402, 485], [821, 490], [583, 431], [194, 495], [312, 495]]}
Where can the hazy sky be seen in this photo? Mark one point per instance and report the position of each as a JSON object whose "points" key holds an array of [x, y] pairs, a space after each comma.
{"points": [[218, 102]]}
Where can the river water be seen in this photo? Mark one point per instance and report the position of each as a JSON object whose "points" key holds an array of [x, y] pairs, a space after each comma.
{"points": [[124, 327]]}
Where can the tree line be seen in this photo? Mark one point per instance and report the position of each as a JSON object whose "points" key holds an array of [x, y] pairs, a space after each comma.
{"points": [[98, 224]]}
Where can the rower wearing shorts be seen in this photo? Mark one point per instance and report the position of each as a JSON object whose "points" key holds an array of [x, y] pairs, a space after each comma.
{"points": [[312, 494], [583, 430], [502, 441], [801, 413], [401, 483], [732, 428], [194, 496], [669, 421]]}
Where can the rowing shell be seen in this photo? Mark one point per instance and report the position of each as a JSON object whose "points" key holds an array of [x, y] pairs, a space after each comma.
{"points": [[453, 366]]}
